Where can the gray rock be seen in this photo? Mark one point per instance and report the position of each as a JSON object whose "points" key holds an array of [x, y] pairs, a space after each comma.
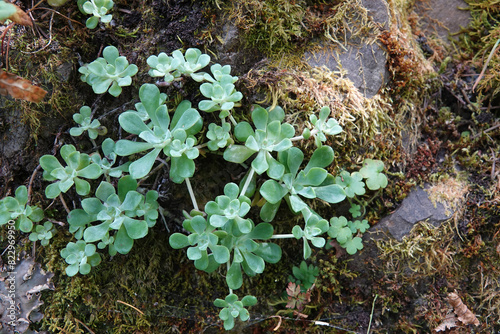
{"points": [[378, 10], [442, 17], [366, 68], [64, 71], [230, 51], [364, 63], [15, 138], [415, 208]]}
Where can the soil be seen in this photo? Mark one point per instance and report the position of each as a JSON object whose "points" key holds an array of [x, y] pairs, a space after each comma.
{"points": [[447, 131]]}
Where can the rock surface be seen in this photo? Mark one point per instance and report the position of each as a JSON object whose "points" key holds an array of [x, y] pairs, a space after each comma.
{"points": [[415, 208], [442, 18], [364, 62]]}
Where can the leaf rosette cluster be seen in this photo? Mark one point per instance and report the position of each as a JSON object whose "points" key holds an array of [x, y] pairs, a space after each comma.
{"points": [[111, 71]]}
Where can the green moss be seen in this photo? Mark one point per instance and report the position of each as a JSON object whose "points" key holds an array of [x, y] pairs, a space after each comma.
{"points": [[161, 283], [277, 27]]}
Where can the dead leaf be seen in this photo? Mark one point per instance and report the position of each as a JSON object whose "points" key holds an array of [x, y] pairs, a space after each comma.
{"points": [[463, 314], [461, 310], [449, 322], [19, 88], [14, 13]]}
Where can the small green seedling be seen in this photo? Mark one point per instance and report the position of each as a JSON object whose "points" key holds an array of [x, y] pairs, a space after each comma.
{"points": [[112, 70], [98, 9], [43, 233], [219, 136], [304, 275], [344, 232], [172, 68], [81, 257], [372, 172], [233, 308], [85, 122], [352, 183]]}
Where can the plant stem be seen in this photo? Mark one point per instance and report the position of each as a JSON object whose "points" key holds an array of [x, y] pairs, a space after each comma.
{"points": [[201, 146], [282, 236], [371, 314], [314, 132], [297, 138], [191, 194], [30, 185], [247, 182], [231, 118], [63, 203]]}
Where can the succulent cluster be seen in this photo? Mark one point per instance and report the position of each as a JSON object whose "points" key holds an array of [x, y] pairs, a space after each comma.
{"points": [[115, 211]]}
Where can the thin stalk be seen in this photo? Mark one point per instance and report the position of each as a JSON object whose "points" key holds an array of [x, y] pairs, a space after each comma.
{"points": [[247, 182], [371, 315], [191, 194], [283, 236], [64, 203], [201, 146], [314, 132], [231, 118], [486, 64]]}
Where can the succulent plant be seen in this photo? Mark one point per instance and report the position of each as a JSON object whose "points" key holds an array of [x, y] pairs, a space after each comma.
{"points": [[98, 9], [110, 70], [201, 239], [79, 165], [230, 208], [233, 308], [324, 126], [127, 213], [172, 68], [222, 96], [271, 135], [108, 160], [16, 208], [311, 182], [172, 136], [219, 136], [81, 257], [43, 233], [85, 122]]}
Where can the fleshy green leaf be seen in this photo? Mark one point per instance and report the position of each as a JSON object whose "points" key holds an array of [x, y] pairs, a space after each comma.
{"points": [[234, 278]]}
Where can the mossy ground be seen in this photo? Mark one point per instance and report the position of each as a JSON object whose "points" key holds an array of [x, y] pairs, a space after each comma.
{"points": [[426, 125]]}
